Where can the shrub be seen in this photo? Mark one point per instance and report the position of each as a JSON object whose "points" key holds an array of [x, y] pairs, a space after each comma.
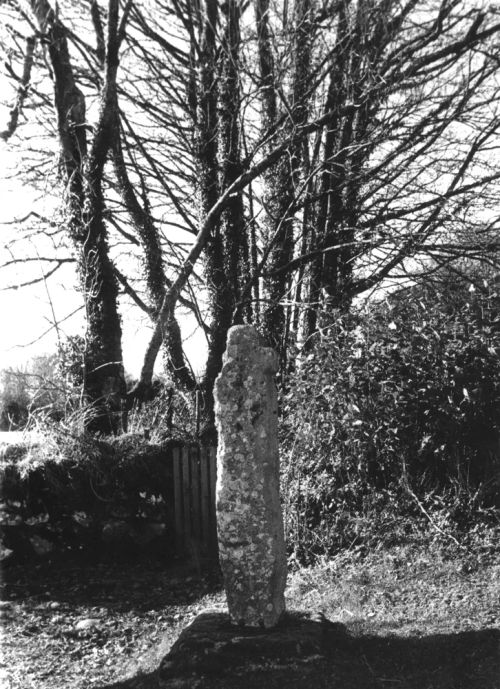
{"points": [[399, 401], [170, 413], [37, 386]]}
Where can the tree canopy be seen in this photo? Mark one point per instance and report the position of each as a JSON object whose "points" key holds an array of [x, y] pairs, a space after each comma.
{"points": [[262, 162]]}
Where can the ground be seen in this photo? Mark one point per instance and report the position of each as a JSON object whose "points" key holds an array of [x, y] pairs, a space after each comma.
{"points": [[420, 616]]}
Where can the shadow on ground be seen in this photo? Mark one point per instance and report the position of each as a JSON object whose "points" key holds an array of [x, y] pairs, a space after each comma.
{"points": [[305, 652], [120, 585], [318, 654]]}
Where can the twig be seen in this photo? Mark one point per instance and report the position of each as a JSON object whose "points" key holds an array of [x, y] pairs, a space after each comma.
{"points": [[431, 521], [37, 339]]}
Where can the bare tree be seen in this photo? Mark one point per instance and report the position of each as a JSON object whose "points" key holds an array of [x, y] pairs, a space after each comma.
{"points": [[308, 156], [283, 113], [81, 165], [398, 168]]}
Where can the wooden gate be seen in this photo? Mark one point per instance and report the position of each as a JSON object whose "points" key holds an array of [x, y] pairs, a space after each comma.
{"points": [[194, 477]]}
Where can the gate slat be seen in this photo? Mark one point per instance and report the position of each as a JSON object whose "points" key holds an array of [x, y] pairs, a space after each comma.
{"points": [[212, 464], [194, 457], [205, 497], [193, 509], [186, 494], [178, 511]]}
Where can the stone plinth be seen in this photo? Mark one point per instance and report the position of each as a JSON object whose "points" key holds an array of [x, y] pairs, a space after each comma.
{"points": [[249, 519], [211, 653]]}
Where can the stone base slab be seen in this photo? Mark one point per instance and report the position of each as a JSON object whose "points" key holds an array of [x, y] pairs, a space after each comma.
{"points": [[213, 652]]}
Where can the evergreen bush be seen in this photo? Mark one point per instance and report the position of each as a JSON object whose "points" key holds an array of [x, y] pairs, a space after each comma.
{"points": [[395, 412]]}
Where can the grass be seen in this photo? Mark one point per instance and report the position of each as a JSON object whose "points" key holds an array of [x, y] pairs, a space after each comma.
{"points": [[411, 611], [406, 590]]}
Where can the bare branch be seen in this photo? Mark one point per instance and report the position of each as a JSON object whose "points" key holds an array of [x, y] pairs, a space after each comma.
{"points": [[23, 89]]}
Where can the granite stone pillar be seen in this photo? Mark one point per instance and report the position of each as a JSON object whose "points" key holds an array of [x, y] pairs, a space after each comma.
{"points": [[249, 518]]}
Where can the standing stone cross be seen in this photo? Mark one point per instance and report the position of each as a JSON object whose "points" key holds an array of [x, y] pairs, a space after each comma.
{"points": [[249, 518]]}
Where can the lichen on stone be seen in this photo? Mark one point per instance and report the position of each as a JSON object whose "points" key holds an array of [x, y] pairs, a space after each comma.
{"points": [[248, 505]]}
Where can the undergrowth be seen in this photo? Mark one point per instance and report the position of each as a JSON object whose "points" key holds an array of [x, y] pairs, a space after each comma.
{"points": [[390, 422]]}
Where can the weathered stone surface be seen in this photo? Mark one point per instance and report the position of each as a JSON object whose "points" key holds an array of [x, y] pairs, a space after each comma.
{"points": [[249, 519], [211, 648]]}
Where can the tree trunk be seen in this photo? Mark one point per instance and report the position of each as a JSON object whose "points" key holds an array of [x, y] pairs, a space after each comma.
{"points": [[207, 131], [155, 280], [283, 179], [103, 383], [104, 380], [234, 232]]}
